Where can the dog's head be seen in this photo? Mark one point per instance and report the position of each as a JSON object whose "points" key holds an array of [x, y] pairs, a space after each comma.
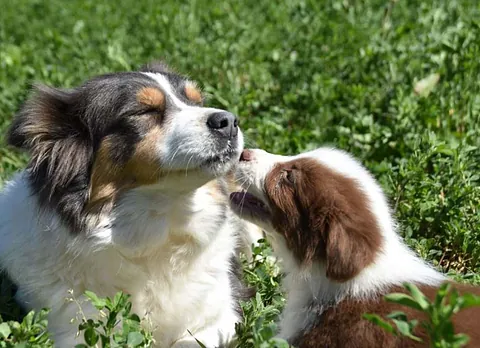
{"points": [[121, 131], [320, 204]]}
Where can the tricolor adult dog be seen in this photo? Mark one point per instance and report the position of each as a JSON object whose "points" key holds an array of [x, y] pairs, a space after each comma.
{"points": [[124, 191], [329, 221]]}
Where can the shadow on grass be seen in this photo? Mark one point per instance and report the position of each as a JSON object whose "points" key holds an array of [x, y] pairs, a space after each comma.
{"points": [[9, 308]]}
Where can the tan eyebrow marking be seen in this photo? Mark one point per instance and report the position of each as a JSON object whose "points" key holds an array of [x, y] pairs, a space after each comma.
{"points": [[151, 96], [192, 92]]}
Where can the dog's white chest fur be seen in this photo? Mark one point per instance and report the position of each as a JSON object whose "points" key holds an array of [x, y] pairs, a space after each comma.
{"points": [[172, 256]]}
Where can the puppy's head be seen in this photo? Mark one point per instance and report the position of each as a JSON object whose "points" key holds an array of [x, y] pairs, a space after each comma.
{"points": [[121, 131], [316, 203]]}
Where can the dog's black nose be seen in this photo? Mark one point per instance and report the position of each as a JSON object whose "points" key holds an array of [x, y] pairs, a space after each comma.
{"points": [[223, 123]]}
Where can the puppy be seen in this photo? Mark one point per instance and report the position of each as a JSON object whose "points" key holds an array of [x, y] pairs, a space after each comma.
{"points": [[125, 190], [329, 221]]}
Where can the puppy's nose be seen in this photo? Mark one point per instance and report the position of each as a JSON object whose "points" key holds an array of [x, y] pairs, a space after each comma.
{"points": [[246, 156], [224, 124]]}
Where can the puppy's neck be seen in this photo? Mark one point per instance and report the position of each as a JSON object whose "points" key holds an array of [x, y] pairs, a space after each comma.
{"points": [[394, 265], [310, 291]]}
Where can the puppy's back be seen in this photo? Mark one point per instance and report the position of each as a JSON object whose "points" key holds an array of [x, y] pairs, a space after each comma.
{"points": [[344, 326]]}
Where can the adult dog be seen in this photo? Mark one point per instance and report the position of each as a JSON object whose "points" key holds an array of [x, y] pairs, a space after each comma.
{"points": [[125, 190]]}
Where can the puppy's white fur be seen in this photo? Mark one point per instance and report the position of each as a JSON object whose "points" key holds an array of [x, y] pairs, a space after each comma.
{"points": [[393, 266], [163, 244]]}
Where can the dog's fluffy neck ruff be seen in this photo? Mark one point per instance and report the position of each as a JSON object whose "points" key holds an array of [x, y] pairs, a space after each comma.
{"points": [[152, 204], [172, 256]]}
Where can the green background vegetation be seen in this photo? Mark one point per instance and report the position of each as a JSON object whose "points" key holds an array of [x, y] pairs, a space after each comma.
{"points": [[300, 74]]}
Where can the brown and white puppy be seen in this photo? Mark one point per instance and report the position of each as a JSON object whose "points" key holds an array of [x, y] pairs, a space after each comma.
{"points": [[328, 220], [126, 190]]}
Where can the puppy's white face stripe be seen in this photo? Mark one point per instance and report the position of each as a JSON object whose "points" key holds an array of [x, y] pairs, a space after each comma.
{"points": [[252, 174]]}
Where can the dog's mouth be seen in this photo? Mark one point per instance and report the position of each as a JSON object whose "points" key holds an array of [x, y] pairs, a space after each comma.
{"points": [[247, 205], [223, 157], [220, 162]]}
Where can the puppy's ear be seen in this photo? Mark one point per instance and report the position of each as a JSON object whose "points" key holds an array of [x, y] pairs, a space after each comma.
{"points": [[343, 232], [49, 127], [348, 249]]}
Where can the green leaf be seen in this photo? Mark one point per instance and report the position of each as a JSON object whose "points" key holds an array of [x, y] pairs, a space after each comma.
{"points": [[470, 300], [199, 343], [447, 329], [127, 309], [41, 319], [5, 330], [377, 320], [460, 340], [117, 300], [418, 296], [90, 336], [134, 317], [268, 332], [120, 301], [105, 340], [441, 293], [108, 303], [404, 300], [112, 320], [445, 150], [275, 343], [99, 303], [28, 320], [406, 330], [397, 315], [135, 339], [454, 299]]}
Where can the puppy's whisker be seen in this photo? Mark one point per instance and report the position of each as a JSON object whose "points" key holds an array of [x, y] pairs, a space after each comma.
{"points": [[242, 202]]}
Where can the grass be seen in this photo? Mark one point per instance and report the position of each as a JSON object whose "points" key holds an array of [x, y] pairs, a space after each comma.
{"points": [[397, 83]]}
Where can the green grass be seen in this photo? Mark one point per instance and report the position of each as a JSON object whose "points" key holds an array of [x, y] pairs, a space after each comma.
{"points": [[299, 75]]}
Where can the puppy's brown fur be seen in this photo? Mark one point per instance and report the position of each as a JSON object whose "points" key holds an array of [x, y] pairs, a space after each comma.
{"points": [[344, 326]]}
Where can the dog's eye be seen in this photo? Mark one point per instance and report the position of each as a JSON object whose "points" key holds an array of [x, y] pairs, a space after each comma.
{"points": [[153, 110], [147, 111]]}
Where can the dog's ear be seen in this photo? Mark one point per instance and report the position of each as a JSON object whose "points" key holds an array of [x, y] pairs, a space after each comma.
{"points": [[340, 230], [46, 116], [348, 249], [49, 127]]}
